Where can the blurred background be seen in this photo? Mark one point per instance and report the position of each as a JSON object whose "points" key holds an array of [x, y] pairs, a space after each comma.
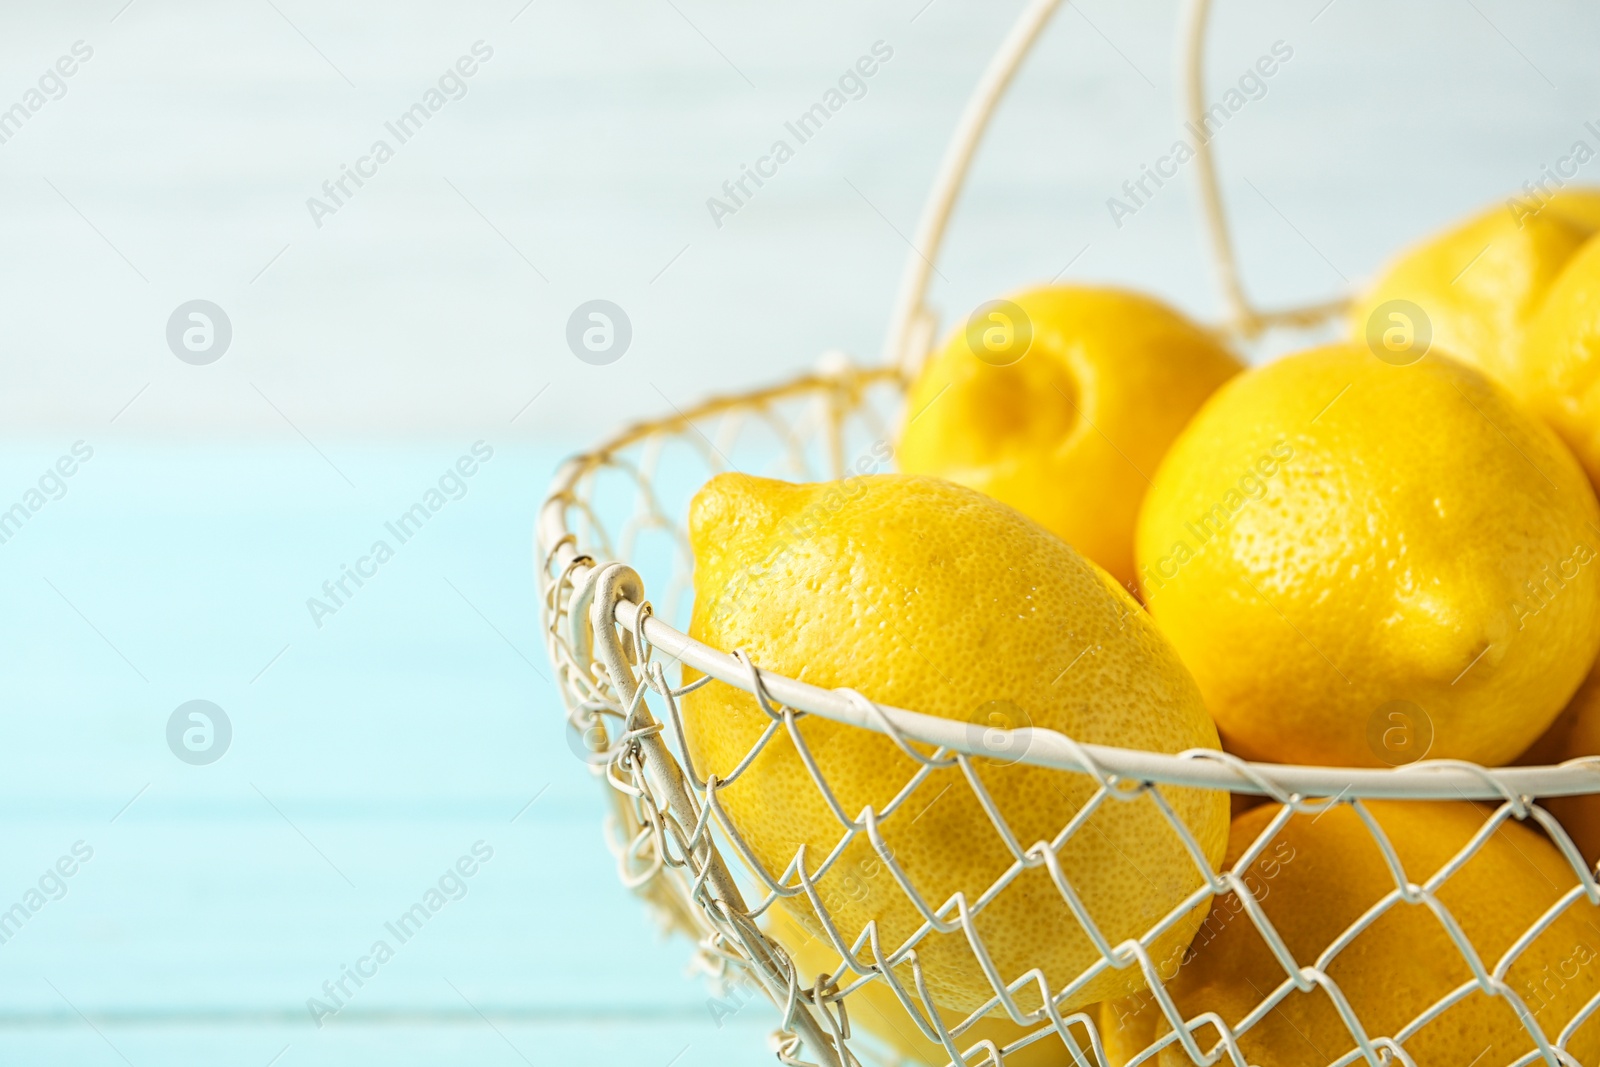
{"points": [[228, 369]]}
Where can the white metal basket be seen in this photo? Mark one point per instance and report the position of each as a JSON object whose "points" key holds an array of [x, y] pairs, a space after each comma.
{"points": [[677, 847]]}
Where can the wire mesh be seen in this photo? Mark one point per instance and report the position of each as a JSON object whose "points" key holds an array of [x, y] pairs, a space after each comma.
{"points": [[620, 672]]}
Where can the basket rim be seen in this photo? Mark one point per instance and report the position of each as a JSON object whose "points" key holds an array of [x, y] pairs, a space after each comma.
{"points": [[559, 557]]}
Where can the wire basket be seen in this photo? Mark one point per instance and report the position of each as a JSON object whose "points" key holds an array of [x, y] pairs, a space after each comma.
{"points": [[677, 847]]}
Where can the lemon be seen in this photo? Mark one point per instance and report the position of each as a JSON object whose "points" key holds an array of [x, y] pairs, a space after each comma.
{"points": [[1515, 291], [1478, 285], [1580, 205], [926, 595], [1365, 564], [1322, 873], [1559, 372], [1575, 734], [875, 1009], [1060, 402]]}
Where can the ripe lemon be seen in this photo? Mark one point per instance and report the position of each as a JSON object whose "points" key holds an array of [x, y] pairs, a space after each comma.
{"points": [[1514, 291], [875, 1009], [930, 596], [1061, 405], [1575, 733], [1365, 564], [1580, 204], [1318, 876], [1559, 370], [1478, 285]]}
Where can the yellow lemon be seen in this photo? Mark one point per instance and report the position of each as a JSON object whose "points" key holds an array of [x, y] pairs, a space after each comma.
{"points": [[1574, 734], [1580, 205], [1364, 563], [1472, 291], [1322, 873], [926, 595], [875, 1009], [1060, 402], [1560, 360]]}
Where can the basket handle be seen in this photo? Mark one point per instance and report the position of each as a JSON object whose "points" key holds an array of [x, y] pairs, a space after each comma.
{"points": [[1227, 265], [912, 324], [1245, 319]]}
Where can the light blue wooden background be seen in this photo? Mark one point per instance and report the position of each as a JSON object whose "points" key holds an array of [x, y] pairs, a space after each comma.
{"points": [[370, 756], [370, 353]]}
